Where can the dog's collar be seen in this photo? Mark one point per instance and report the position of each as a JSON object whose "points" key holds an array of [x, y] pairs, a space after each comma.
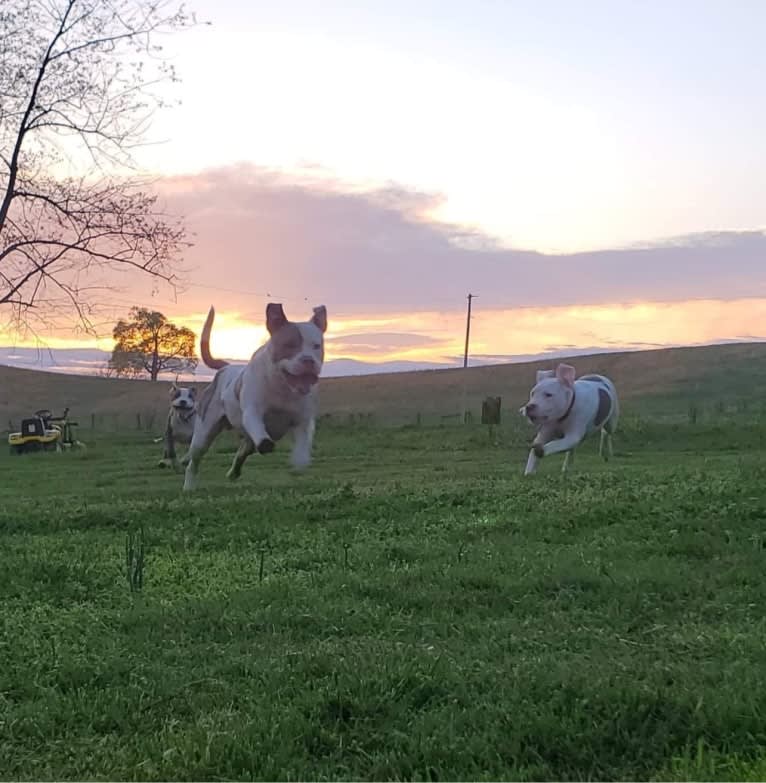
{"points": [[571, 405], [185, 417]]}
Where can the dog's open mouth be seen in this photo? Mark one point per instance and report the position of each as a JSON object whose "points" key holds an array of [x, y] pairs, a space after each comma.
{"points": [[301, 383]]}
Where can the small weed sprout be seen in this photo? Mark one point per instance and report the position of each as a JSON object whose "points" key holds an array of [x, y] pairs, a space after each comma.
{"points": [[134, 559]]}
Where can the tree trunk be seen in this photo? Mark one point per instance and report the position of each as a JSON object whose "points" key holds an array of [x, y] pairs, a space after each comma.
{"points": [[155, 371]]}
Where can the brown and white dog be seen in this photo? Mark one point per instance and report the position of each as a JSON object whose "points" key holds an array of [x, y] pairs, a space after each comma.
{"points": [[273, 394], [180, 423]]}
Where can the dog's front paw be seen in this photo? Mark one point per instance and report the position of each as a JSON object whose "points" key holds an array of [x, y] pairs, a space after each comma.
{"points": [[266, 446], [233, 474]]}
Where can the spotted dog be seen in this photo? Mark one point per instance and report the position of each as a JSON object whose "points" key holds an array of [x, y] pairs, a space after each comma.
{"points": [[565, 410]]}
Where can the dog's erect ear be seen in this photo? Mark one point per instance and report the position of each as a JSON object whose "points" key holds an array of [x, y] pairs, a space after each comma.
{"points": [[275, 317], [320, 318], [543, 374], [566, 374], [174, 391]]}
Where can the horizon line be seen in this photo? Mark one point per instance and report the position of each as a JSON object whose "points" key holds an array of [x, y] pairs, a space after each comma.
{"points": [[405, 364]]}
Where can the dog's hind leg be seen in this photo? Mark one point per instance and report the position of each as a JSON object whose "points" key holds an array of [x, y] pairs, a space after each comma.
{"points": [[610, 427], [532, 463], [246, 448], [605, 449], [568, 460], [205, 432]]}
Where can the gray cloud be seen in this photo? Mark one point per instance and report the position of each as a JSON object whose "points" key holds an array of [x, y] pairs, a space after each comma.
{"points": [[310, 242]]}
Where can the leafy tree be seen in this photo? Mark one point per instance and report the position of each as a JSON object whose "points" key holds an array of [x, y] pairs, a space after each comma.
{"points": [[78, 86], [149, 343]]}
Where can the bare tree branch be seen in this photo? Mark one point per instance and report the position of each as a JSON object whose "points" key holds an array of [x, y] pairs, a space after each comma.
{"points": [[76, 79]]}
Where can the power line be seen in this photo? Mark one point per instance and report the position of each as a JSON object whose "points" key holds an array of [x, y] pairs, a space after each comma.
{"points": [[265, 295]]}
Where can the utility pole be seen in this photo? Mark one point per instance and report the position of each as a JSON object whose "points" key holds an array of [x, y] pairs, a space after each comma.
{"points": [[467, 330], [464, 416]]}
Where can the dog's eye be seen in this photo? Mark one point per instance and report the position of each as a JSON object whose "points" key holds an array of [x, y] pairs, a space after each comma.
{"points": [[317, 346], [548, 394]]}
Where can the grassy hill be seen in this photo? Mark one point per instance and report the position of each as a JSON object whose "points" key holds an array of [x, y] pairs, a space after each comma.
{"points": [[661, 381]]}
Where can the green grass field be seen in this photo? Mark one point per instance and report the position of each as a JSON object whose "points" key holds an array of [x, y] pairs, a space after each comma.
{"points": [[410, 608]]}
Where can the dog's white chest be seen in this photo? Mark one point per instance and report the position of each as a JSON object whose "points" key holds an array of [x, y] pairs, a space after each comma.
{"points": [[183, 425]]}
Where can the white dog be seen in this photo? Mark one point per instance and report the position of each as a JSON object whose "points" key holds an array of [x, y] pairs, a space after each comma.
{"points": [[180, 423], [565, 410], [271, 395]]}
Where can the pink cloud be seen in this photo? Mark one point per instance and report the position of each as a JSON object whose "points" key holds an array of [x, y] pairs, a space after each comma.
{"points": [[307, 241], [394, 280]]}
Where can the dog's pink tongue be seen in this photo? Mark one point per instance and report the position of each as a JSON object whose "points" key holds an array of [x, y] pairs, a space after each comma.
{"points": [[303, 383]]}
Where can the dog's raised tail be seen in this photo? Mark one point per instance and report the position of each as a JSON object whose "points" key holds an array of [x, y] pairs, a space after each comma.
{"points": [[204, 344]]}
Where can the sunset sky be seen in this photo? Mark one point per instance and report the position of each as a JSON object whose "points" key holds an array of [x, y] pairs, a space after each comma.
{"points": [[594, 171]]}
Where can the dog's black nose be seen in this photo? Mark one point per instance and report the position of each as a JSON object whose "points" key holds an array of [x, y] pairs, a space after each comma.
{"points": [[531, 407]]}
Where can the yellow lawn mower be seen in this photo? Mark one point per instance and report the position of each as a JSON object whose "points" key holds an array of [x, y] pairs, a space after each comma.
{"points": [[45, 432]]}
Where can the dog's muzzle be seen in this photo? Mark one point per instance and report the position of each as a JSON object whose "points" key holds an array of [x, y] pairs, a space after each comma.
{"points": [[305, 378], [301, 382], [530, 411]]}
